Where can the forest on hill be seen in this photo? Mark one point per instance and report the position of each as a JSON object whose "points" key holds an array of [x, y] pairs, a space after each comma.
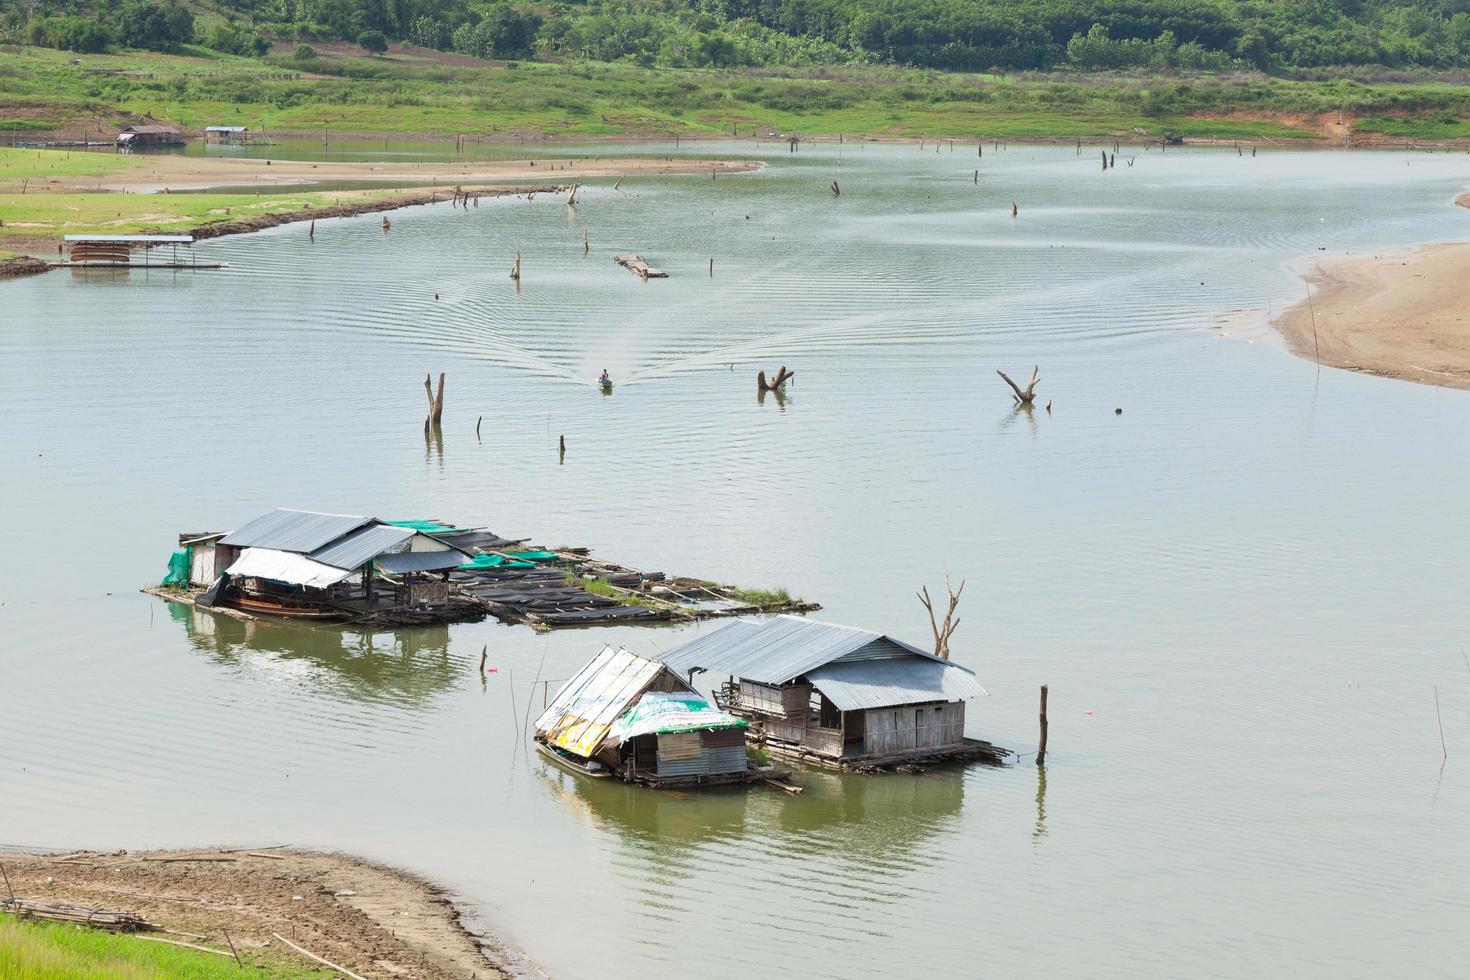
{"points": [[1279, 36]]}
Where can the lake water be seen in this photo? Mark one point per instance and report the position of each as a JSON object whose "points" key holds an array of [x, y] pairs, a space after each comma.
{"points": [[1243, 591]]}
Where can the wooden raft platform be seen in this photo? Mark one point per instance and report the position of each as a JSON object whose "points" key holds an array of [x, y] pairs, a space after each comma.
{"points": [[636, 265], [973, 750], [557, 589]]}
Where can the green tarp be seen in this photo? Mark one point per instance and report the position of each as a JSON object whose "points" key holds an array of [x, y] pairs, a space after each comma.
{"points": [[430, 527], [508, 559], [178, 568], [664, 712]]}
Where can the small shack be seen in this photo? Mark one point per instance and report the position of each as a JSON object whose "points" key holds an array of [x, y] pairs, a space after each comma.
{"points": [[306, 564], [133, 137], [626, 716], [836, 695], [226, 134]]}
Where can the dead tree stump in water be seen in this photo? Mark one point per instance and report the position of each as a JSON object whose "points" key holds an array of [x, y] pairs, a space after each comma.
{"points": [[1041, 746], [943, 631], [1026, 396], [436, 402], [782, 376]]}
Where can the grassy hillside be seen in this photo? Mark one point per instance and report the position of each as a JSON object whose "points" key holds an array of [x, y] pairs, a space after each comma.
{"points": [[419, 93]]}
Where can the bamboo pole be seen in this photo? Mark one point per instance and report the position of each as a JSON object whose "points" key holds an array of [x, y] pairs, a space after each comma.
{"points": [[175, 942], [310, 955]]}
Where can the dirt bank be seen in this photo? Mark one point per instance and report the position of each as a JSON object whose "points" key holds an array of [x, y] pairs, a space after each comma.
{"points": [[373, 920], [260, 222], [21, 265], [1395, 314]]}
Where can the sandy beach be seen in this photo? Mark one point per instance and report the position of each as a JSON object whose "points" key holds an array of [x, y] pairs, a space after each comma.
{"points": [[1395, 314], [368, 918]]}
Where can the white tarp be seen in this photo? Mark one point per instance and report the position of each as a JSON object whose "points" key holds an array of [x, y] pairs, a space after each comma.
{"points": [[283, 566]]}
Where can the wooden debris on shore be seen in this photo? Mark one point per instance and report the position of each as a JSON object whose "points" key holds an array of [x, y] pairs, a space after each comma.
{"points": [[636, 265], [86, 915]]}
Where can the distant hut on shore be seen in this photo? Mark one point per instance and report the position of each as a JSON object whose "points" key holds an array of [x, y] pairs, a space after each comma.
{"points": [[320, 566], [837, 696], [226, 134], [133, 137], [626, 716]]}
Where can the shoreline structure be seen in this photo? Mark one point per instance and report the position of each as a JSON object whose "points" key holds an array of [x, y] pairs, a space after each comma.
{"points": [[1397, 314], [368, 917]]}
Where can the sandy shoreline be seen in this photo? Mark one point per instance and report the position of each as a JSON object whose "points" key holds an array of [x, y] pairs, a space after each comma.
{"points": [[159, 173], [366, 917], [1395, 314]]}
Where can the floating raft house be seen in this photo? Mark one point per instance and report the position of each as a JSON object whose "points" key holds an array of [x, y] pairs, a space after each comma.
{"points": [[360, 569], [838, 696], [634, 718]]}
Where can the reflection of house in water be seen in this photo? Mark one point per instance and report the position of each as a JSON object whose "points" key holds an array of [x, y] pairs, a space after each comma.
{"points": [[838, 696], [406, 666]]}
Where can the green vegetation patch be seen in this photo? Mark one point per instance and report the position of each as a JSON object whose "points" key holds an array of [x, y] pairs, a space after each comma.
{"points": [[52, 215], [54, 951], [40, 165]]}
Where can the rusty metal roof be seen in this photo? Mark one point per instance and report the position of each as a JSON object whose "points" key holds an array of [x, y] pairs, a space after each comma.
{"points": [[584, 710]]}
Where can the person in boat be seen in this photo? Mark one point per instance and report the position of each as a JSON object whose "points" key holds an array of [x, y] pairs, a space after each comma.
{"points": [[605, 380]]}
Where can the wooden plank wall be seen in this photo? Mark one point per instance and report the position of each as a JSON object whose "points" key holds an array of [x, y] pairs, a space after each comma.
{"points": [[913, 727]]}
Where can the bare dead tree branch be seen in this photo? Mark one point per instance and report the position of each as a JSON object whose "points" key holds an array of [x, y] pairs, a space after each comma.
{"points": [[943, 631], [1026, 396]]}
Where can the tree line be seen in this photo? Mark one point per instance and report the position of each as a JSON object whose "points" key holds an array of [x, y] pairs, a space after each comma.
{"points": [[962, 35]]}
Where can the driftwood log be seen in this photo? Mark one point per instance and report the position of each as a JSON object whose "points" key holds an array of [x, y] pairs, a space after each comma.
{"points": [[782, 376], [1022, 396], [436, 402], [636, 265]]}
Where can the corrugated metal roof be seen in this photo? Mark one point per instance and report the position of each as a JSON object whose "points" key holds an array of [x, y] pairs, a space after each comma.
{"points": [[285, 566], [361, 546], [782, 648], [856, 684], [420, 561], [301, 531], [225, 129], [587, 705], [179, 239], [149, 129]]}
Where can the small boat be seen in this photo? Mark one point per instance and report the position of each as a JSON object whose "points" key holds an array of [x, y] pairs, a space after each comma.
{"points": [[605, 384], [573, 763]]}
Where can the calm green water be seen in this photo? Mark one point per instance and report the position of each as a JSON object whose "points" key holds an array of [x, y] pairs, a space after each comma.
{"points": [[1243, 590]]}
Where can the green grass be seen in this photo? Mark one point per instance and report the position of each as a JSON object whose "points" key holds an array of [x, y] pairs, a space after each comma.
{"points": [[399, 95], [39, 166], [765, 599], [52, 951], [1425, 126], [52, 215], [598, 587]]}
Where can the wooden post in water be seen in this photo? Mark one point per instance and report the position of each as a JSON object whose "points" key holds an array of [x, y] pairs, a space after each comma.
{"points": [[711, 268], [1041, 748]]}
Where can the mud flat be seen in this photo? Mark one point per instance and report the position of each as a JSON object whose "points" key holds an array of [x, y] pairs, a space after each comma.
{"points": [[371, 919]]}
